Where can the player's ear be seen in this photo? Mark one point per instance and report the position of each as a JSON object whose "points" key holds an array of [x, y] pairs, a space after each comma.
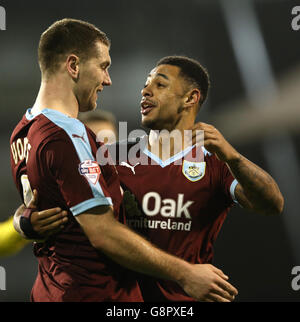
{"points": [[72, 65], [192, 97]]}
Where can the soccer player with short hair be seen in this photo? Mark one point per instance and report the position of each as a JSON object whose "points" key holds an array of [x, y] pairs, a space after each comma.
{"points": [[184, 201], [51, 151]]}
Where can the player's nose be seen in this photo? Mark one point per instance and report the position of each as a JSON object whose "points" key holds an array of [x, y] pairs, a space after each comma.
{"points": [[146, 91], [107, 80]]}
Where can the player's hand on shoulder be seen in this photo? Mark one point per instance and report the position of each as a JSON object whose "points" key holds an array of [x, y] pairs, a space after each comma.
{"points": [[207, 283]]}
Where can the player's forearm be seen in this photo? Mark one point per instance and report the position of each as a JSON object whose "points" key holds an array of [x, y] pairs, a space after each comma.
{"points": [[134, 252], [129, 249], [258, 186]]}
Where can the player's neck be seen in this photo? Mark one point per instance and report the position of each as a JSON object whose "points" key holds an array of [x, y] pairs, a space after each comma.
{"points": [[166, 144], [56, 95]]}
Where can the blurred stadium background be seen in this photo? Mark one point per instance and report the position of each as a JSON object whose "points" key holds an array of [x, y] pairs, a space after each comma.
{"points": [[253, 57]]}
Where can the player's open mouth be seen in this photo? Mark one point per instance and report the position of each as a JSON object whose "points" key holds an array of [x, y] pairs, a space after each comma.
{"points": [[147, 107]]}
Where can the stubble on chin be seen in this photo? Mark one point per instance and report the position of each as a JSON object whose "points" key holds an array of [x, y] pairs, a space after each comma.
{"points": [[150, 124], [145, 122]]}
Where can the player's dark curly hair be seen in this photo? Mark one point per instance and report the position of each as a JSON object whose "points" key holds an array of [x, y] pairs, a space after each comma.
{"points": [[192, 71], [68, 36]]}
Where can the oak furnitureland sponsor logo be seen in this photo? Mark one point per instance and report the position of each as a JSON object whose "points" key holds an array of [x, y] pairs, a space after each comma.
{"points": [[2, 18], [296, 18], [2, 279], [175, 214]]}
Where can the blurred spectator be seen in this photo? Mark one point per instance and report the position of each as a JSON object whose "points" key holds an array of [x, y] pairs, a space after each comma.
{"points": [[102, 123]]}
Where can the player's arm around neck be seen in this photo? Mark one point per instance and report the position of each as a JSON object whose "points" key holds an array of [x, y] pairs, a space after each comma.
{"points": [[132, 251]]}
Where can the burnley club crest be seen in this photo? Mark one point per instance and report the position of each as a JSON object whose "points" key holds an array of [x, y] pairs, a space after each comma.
{"points": [[193, 171]]}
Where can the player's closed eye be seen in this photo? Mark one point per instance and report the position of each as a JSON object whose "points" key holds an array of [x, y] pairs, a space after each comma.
{"points": [[104, 66]]}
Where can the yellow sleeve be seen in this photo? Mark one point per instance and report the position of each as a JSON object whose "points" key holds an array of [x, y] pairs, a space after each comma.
{"points": [[10, 241]]}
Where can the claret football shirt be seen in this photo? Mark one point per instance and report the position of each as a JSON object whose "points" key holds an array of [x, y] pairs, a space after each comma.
{"points": [[55, 154], [183, 203]]}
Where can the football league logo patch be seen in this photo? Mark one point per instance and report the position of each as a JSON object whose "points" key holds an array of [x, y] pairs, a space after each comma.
{"points": [[193, 171], [91, 170]]}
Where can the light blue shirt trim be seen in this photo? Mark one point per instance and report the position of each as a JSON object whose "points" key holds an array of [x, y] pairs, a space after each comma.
{"points": [[206, 152], [232, 188], [82, 146], [174, 158], [91, 203]]}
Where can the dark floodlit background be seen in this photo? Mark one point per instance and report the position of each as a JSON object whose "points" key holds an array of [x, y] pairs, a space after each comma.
{"points": [[253, 57]]}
